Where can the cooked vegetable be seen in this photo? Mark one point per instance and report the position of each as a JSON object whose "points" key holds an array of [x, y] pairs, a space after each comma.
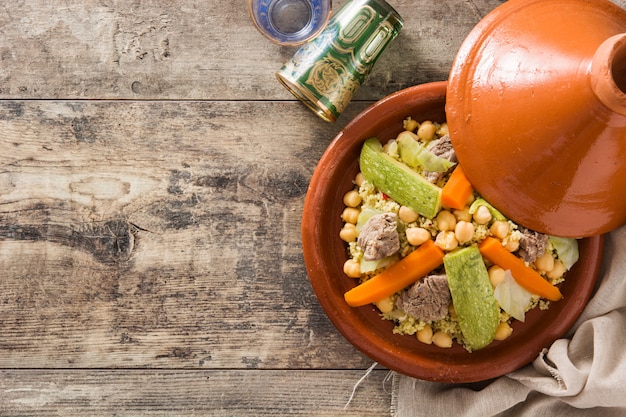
{"points": [[371, 266], [472, 296], [427, 130], [452, 219], [482, 216], [545, 262], [398, 180], [446, 220], [417, 235], [399, 275], [504, 331], [566, 249], [464, 231], [352, 268], [512, 297], [442, 339], [480, 202], [425, 334], [348, 232], [407, 214], [352, 198], [350, 215], [525, 276], [457, 190], [416, 155], [500, 229]]}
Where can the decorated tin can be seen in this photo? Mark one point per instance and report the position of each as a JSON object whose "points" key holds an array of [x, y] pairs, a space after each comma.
{"points": [[326, 72]]}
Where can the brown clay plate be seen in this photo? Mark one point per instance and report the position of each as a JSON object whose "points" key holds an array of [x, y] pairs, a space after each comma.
{"points": [[325, 254]]}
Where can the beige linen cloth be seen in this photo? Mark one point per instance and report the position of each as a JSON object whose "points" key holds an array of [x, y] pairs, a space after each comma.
{"points": [[582, 374]]}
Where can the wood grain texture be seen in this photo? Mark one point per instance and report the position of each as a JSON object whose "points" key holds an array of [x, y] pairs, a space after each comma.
{"points": [[242, 393], [196, 50], [152, 176], [159, 234]]}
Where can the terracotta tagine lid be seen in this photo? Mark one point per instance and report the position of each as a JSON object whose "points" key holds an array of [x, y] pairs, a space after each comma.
{"points": [[536, 106]]}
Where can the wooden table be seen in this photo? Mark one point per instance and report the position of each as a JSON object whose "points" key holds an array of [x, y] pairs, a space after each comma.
{"points": [[152, 182]]}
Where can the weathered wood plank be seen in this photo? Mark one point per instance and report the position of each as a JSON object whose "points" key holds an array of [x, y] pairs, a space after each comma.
{"points": [[150, 253], [193, 393], [159, 234], [196, 49]]}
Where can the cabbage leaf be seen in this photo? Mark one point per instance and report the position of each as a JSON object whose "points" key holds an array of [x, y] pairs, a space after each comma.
{"points": [[371, 266], [415, 154], [566, 248], [512, 297], [366, 214]]}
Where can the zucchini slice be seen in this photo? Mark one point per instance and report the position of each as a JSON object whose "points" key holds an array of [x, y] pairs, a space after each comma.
{"points": [[398, 180], [472, 295]]}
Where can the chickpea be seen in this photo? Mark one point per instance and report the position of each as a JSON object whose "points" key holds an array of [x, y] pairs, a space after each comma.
{"points": [[425, 335], [482, 215], [545, 262], [426, 131], [410, 124], [496, 275], [352, 268], [452, 311], [512, 245], [500, 229], [352, 198], [348, 233], [442, 340], [443, 130], [407, 214], [446, 240], [446, 220], [417, 235], [358, 179], [503, 331], [464, 231], [463, 215], [350, 215], [385, 305], [558, 271], [391, 147]]}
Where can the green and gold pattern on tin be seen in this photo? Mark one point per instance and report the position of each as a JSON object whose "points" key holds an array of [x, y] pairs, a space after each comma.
{"points": [[332, 80], [328, 71]]}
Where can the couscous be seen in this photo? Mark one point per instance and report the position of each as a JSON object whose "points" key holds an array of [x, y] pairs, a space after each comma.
{"points": [[381, 229]]}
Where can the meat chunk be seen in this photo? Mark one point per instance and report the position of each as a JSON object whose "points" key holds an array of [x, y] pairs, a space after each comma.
{"points": [[427, 299], [379, 237], [441, 147], [532, 244]]}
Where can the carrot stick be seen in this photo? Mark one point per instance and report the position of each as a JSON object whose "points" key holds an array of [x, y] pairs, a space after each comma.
{"points": [[457, 190], [401, 274], [525, 276]]}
